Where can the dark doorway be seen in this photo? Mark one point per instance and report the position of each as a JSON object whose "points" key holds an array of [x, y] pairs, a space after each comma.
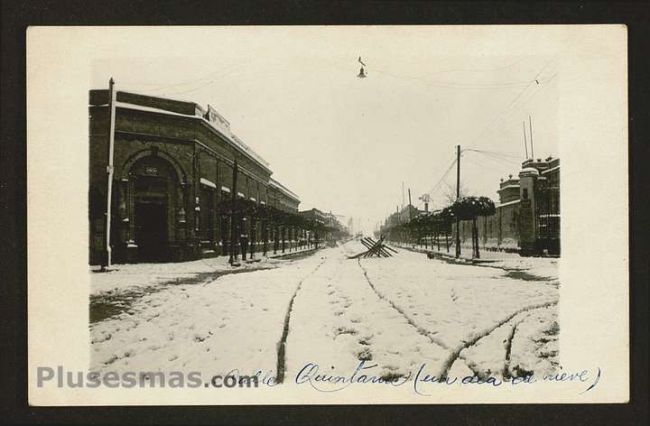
{"points": [[151, 231]]}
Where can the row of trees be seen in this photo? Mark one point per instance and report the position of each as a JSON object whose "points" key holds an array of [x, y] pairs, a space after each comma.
{"points": [[430, 227]]}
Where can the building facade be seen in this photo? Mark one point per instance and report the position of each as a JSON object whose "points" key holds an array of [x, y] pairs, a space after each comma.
{"points": [[184, 185], [328, 228], [526, 221], [527, 218]]}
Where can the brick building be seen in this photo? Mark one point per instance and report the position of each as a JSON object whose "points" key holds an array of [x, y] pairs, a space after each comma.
{"points": [[282, 198], [184, 185]]}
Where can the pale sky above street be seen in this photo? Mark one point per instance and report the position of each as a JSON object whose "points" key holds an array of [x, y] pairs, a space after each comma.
{"points": [[346, 144]]}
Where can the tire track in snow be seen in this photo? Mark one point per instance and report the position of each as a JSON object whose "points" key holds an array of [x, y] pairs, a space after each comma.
{"points": [[282, 344], [472, 365], [424, 332], [511, 335], [455, 354]]}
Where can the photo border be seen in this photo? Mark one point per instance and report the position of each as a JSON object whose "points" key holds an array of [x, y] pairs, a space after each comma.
{"points": [[16, 18]]}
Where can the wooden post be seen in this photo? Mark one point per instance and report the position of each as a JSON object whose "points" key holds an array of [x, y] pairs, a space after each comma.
{"points": [[233, 197], [457, 198], [265, 236], [478, 254], [109, 172], [253, 236], [276, 238]]}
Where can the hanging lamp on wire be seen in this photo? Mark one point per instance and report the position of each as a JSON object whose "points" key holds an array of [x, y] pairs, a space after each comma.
{"points": [[362, 70]]}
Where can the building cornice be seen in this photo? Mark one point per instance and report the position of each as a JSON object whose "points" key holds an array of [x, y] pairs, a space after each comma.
{"points": [[211, 151], [247, 152], [286, 191]]}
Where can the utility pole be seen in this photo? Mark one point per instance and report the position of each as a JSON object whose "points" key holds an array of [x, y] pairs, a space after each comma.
{"points": [[410, 217], [457, 172], [523, 123], [109, 171], [457, 198], [532, 149]]}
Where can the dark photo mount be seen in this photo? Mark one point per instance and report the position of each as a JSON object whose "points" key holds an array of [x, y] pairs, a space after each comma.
{"points": [[16, 17]]}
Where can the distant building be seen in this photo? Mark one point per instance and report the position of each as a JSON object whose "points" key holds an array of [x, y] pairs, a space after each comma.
{"points": [[402, 216], [527, 216], [315, 215], [539, 208], [333, 228]]}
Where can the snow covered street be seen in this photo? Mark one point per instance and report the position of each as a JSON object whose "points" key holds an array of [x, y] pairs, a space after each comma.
{"points": [[393, 313]]}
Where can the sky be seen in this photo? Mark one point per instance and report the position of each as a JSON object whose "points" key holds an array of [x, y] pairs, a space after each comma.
{"points": [[346, 144]]}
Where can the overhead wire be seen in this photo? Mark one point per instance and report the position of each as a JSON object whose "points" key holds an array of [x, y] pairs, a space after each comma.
{"points": [[161, 87], [495, 156], [478, 69], [501, 115], [498, 153], [499, 167], [444, 175], [456, 85], [214, 78], [447, 83]]}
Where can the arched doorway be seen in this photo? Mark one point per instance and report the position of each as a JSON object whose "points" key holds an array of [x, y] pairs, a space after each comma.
{"points": [[154, 203]]}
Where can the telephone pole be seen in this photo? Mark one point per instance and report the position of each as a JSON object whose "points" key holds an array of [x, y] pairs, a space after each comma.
{"points": [[457, 198], [109, 172], [410, 217]]}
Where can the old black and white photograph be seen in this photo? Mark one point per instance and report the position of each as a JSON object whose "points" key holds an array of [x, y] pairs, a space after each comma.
{"points": [[341, 210]]}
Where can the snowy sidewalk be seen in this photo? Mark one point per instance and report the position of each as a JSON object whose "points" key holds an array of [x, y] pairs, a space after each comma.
{"points": [[133, 275], [232, 322], [544, 268]]}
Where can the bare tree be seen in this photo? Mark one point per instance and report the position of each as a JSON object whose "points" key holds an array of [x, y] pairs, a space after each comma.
{"points": [[450, 193]]}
